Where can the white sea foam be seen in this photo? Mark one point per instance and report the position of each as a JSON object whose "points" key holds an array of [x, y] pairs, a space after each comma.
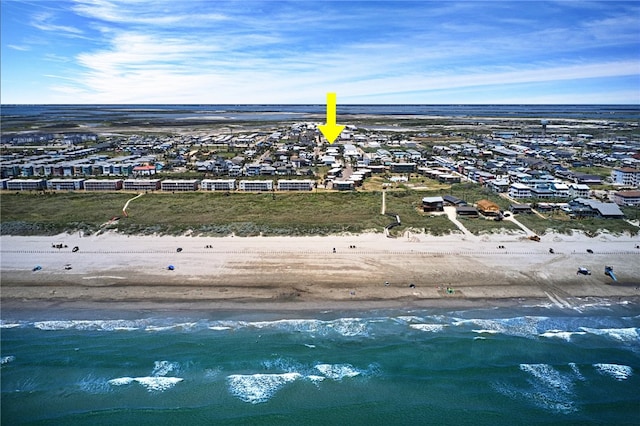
{"points": [[158, 384], [257, 388], [162, 368], [549, 376], [159, 327], [121, 381], [309, 345], [344, 326], [576, 371], [349, 327], [622, 334], [337, 371], [302, 325], [87, 325], [551, 389], [559, 334], [9, 324], [518, 326], [95, 385], [315, 379], [219, 328], [618, 372], [410, 318], [433, 328], [152, 384], [486, 331], [7, 359]]}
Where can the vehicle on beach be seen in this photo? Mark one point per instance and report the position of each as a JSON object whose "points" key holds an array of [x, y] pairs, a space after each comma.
{"points": [[583, 271]]}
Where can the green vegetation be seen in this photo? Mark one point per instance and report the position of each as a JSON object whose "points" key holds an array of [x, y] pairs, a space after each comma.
{"points": [[244, 214], [479, 226], [602, 172], [203, 213], [562, 224]]}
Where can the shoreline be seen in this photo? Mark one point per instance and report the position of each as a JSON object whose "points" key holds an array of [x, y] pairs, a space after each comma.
{"points": [[289, 274]]}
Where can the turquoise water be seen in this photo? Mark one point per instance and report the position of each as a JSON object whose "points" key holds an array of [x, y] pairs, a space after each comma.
{"points": [[535, 365]]}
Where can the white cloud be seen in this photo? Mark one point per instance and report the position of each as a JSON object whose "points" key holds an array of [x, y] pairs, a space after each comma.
{"points": [[21, 48], [276, 52], [44, 21]]}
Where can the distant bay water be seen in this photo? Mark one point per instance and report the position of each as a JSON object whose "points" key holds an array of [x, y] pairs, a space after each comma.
{"points": [[152, 112], [516, 366]]}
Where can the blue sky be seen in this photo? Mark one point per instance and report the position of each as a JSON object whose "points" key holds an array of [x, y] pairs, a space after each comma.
{"points": [[221, 52]]}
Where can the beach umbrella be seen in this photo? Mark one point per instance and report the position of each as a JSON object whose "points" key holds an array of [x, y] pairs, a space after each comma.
{"points": [[170, 267]]}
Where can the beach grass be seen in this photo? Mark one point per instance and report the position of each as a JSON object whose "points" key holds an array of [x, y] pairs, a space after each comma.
{"points": [[562, 224], [246, 214]]}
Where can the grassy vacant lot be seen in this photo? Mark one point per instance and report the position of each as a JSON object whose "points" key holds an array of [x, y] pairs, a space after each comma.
{"points": [[210, 213]]}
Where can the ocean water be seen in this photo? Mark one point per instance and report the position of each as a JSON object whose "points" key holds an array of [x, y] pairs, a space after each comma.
{"points": [[516, 366], [158, 113]]}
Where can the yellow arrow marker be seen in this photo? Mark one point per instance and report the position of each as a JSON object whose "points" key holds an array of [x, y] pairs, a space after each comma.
{"points": [[331, 130]]}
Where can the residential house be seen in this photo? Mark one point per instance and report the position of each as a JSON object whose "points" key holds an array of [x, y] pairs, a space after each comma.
{"points": [[102, 184], [520, 208], [498, 185], [343, 185], [560, 190], [141, 184], [26, 184], [179, 185], [578, 190], [433, 204], [519, 190], [583, 207], [218, 184], [255, 185], [144, 170], [627, 198], [626, 176], [488, 208], [403, 167], [65, 184], [295, 185]]}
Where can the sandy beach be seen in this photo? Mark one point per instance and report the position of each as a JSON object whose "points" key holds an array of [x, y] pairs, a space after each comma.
{"points": [[365, 271]]}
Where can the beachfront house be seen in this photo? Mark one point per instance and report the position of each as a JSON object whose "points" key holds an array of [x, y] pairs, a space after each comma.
{"points": [[583, 207], [520, 208], [103, 184], [255, 185], [343, 185], [466, 211], [295, 185], [432, 204], [65, 184], [26, 184], [141, 184], [179, 185], [488, 208], [218, 184]]}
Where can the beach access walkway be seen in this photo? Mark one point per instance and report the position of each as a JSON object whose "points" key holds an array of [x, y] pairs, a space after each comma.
{"points": [[451, 214]]}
